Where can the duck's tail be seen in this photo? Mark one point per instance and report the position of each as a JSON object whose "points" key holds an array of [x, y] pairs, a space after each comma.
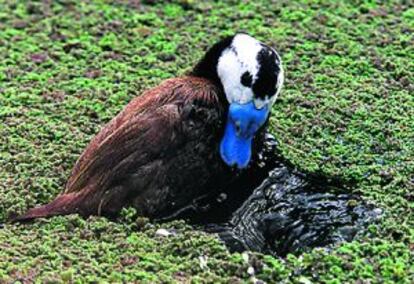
{"points": [[64, 204]]}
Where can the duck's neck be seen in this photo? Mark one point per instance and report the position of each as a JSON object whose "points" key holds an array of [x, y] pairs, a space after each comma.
{"points": [[207, 66]]}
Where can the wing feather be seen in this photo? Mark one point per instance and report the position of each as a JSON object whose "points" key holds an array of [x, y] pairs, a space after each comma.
{"points": [[143, 131]]}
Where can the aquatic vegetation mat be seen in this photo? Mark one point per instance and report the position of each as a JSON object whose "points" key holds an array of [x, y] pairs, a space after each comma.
{"points": [[347, 108]]}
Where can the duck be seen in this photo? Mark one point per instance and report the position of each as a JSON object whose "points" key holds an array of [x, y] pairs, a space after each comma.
{"points": [[178, 140]]}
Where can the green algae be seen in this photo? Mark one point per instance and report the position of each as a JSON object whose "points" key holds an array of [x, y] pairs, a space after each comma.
{"points": [[347, 108]]}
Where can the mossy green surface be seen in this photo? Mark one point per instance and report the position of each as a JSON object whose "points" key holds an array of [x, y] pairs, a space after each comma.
{"points": [[347, 109]]}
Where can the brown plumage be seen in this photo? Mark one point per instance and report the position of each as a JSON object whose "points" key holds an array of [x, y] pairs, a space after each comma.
{"points": [[156, 155]]}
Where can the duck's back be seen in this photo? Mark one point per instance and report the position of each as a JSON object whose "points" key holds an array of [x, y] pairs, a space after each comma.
{"points": [[156, 155]]}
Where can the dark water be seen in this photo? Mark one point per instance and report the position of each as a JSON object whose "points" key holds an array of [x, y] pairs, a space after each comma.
{"points": [[275, 209]]}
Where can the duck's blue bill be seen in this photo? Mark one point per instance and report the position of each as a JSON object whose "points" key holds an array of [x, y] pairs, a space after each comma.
{"points": [[243, 121]]}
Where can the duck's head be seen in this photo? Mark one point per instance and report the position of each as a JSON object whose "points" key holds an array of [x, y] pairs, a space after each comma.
{"points": [[250, 74]]}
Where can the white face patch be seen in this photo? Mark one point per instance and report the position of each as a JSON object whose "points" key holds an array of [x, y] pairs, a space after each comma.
{"points": [[230, 71], [234, 62], [238, 60]]}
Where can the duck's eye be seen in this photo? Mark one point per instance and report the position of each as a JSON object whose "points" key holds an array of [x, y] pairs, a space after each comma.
{"points": [[246, 79]]}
